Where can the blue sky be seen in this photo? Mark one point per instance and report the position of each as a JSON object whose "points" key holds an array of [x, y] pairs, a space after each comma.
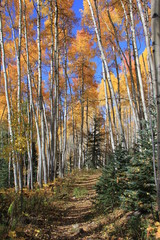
{"points": [[78, 4]]}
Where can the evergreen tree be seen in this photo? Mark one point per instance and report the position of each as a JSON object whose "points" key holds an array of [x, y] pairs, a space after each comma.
{"points": [[94, 153], [112, 183], [141, 191]]}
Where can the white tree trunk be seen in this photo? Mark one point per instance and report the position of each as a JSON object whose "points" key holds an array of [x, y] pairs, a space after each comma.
{"points": [[51, 95], [31, 96], [107, 109], [40, 100], [48, 141], [65, 112], [137, 61], [107, 71], [56, 88], [155, 14], [18, 56], [8, 103], [147, 39]]}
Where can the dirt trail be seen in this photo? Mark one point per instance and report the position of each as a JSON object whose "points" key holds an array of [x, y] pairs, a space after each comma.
{"points": [[75, 220], [68, 217]]}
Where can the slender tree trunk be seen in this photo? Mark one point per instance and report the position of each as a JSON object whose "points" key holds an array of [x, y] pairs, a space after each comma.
{"points": [[61, 147], [40, 100], [51, 94], [19, 61], [73, 127], [9, 170], [31, 98], [137, 61], [56, 82], [107, 109], [20, 161], [155, 14], [127, 27], [47, 142], [65, 110], [29, 143], [125, 73], [82, 120], [113, 114], [18, 58], [87, 128], [107, 71], [8, 103], [147, 39], [118, 82]]}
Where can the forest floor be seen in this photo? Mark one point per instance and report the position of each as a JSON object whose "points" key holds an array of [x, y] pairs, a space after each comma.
{"points": [[72, 216], [63, 210]]}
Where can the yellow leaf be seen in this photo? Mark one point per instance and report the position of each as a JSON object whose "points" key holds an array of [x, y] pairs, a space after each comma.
{"points": [[12, 234], [157, 224], [157, 235]]}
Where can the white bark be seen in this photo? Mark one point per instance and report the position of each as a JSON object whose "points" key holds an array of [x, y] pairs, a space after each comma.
{"points": [[107, 109], [73, 126], [31, 95], [125, 74], [8, 103], [127, 27], [107, 71], [82, 118], [48, 141], [18, 57], [155, 14], [65, 112], [56, 88], [147, 39], [51, 95], [40, 99], [137, 61]]}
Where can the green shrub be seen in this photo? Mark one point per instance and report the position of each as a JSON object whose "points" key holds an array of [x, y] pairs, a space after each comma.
{"points": [[113, 181], [128, 179]]}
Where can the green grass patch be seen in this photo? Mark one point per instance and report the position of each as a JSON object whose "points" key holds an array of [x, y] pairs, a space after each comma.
{"points": [[80, 192]]}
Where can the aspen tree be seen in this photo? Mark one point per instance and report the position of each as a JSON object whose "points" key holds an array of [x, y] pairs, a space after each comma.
{"points": [[8, 103], [137, 61], [31, 94], [127, 27], [51, 92], [107, 70], [73, 127], [18, 58], [39, 89], [82, 120], [65, 108], [107, 109], [147, 39], [56, 88], [155, 14], [29, 138], [125, 73]]}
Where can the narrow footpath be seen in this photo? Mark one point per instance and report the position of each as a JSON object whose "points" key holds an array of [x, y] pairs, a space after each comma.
{"points": [[70, 217], [76, 216]]}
